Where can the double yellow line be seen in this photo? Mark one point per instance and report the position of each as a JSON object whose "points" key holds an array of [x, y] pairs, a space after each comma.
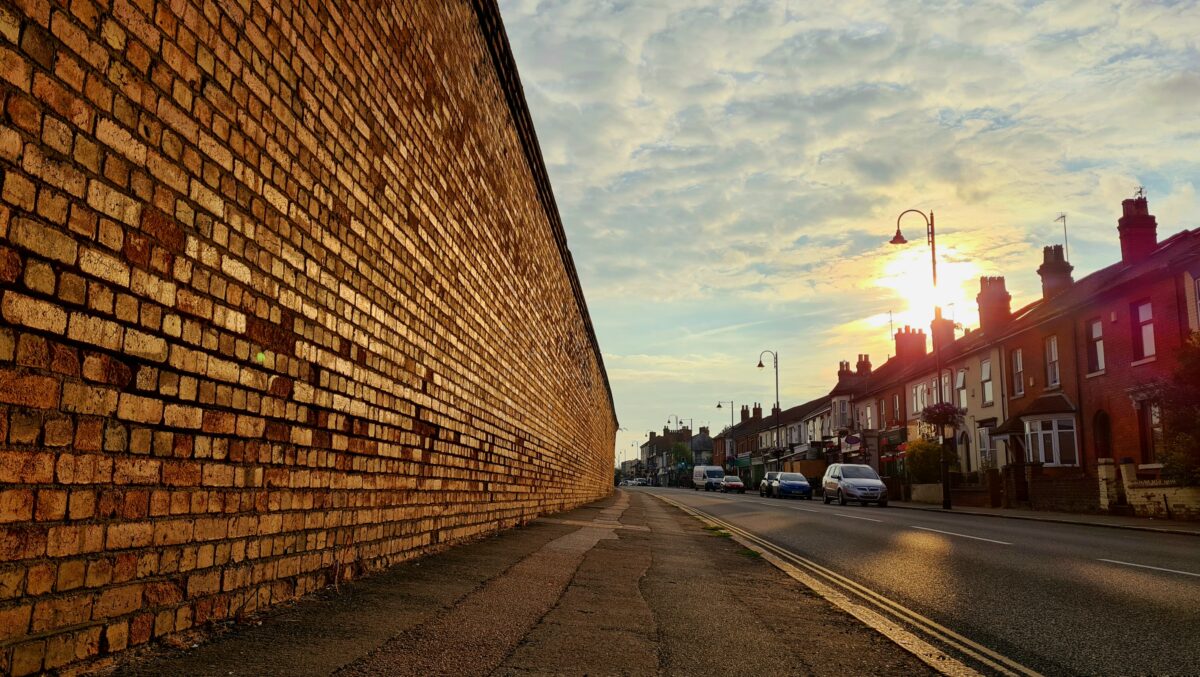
{"points": [[829, 584]]}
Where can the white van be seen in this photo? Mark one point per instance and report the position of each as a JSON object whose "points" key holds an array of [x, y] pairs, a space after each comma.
{"points": [[707, 477]]}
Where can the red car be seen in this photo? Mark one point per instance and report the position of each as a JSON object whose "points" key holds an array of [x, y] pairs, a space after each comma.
{"points": [[732, 483]]}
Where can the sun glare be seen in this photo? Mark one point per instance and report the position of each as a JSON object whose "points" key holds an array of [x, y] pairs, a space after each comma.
{"points": [[907, 274]]}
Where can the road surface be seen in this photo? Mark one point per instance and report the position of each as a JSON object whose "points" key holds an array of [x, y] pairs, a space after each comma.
{"points": [[1056, 599]]}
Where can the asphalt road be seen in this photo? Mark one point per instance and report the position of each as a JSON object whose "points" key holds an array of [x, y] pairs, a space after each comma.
{"points": [[1039, 593]]}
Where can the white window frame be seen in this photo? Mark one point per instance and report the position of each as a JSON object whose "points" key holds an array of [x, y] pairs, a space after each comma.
{"points": [[1094, 330], [1053, 373], [960, 384], [986, 393], [1018, 361], [1145, 330], [1037, 452], [984, 438]]}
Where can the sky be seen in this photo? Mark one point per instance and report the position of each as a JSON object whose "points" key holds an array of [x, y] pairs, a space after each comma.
{"points": [[729, 173]]}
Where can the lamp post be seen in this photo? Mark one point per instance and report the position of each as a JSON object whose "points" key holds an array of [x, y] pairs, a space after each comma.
{"points": [[775, 359], [728, 439], [931, 240]]}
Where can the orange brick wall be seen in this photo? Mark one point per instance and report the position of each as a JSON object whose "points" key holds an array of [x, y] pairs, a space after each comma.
{"points": [[284, 297]]}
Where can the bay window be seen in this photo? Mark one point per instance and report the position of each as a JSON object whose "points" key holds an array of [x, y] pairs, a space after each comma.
{"points": [[1051, 441]]}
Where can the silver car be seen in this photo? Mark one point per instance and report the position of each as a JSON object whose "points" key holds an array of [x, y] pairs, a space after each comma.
{"points": [[845, 482]]}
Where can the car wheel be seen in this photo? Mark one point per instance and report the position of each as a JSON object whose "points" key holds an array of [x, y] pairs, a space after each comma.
{"points": [[825, 499], [761, 494], [883, 504], [841, 499]]}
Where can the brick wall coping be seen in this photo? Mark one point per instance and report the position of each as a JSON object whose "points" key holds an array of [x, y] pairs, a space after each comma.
{"points": [[492, 27]]}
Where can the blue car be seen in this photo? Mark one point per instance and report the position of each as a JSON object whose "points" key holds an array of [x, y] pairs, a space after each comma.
{"points": [[792, 484]]}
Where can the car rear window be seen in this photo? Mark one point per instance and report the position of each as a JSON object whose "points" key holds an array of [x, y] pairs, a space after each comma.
{"points": [[859, 472]]}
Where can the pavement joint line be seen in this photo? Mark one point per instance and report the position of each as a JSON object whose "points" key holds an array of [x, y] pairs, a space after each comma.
{"points": [[597, 524], [953, 533], [1147, 566], [1053, 520], [996, 661]]}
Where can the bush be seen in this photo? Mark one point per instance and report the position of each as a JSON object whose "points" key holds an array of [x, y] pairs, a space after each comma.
{"points": [[923, 462]]}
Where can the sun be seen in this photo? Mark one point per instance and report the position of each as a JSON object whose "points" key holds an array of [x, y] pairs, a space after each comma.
{"points": [[907, 274]]}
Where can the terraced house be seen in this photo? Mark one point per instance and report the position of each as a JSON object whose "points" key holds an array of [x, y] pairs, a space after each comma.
{"points": [[1057, 393]]}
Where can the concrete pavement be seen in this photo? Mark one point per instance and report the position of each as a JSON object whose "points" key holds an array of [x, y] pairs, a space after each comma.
{"points": [[627, 585]]}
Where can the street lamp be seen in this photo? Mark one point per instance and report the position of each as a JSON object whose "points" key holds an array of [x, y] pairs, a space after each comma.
{"points": [[730, 403], [775, 359], [931, 240]]}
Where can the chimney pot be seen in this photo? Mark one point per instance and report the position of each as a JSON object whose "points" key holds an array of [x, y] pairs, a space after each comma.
{"points": [[1054, 271], [1138, 230]]}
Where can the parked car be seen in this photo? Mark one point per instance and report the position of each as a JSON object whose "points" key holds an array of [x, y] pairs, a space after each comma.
{"points": [[732, 483], [707, 477], [767, 486], [793, 484], [845, 482]]}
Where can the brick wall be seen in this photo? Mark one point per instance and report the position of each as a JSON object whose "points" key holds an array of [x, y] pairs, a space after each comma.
{"points": [[1079, 493], [285, 297]]}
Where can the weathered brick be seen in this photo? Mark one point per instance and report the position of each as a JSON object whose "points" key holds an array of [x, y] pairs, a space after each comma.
{"points": [[44, 241], [28, 390], [16, 505], [36, 313], [139, 409], [14, 621], [60, 612], [83, 399]]}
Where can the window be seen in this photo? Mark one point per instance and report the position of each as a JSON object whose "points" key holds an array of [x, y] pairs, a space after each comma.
{"points": [[985, 447], [1143, 330], [946, 388], [985, 380], [960, 384], [896, 407], [1018, 364], [870, 420], [1095, 345], [1051, 441], [882, 413], [1150, 422], [1051, 361]]}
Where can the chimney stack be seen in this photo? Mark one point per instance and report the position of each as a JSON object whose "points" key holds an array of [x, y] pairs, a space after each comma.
{"points": [[843, 369], [863, 367], [941, 329], [666, 431], [745, 413], [910, 343], [703, 431], [995, 303], [757, 411], [1138, 229], [1055, 271]]}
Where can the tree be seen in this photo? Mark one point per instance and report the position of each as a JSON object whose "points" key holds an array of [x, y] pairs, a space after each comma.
{"points": [[681, 453], [1179, 400], [923, 461]]}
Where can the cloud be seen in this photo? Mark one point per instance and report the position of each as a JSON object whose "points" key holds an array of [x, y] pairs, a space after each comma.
{"points": [[729, 171]]}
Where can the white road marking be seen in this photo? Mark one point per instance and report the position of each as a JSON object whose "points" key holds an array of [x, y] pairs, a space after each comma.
{"points": [[856, 517], [1147, 566], [951, 533]]}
